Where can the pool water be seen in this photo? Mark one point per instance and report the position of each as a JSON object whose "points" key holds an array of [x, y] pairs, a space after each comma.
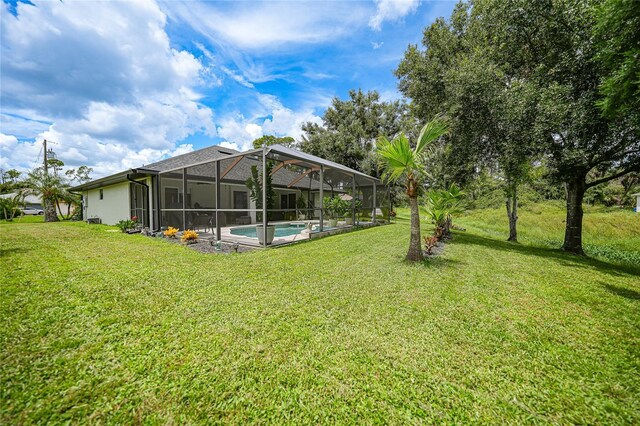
{"points": [[284, 230]]}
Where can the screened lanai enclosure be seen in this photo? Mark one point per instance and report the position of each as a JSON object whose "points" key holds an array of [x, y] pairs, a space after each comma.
{"points": [[291, 194]]}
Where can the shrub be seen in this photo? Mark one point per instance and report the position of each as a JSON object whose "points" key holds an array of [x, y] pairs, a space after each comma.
{"points": [[336, 207], [170, 232], [10, 207], [430, 242], [442, 205], [125, 224], [77, 214], [189, 235]]}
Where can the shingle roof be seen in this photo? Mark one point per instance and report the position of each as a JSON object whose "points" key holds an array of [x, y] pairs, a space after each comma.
{"points": [[195, 160], [206, 154]]}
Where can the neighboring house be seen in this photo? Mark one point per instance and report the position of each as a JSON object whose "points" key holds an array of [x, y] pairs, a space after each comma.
{"points": [[637, 209], [208, 189], [35, 202]]}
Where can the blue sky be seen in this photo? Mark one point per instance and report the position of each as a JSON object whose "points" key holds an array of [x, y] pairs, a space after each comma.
{"points": [[125, 83]]}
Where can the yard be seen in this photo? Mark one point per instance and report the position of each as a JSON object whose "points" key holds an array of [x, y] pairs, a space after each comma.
{"points": [[103, 327]]}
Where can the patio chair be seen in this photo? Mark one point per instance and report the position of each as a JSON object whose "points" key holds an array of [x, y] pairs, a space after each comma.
{"points": [[203, 221], [243, 220]]}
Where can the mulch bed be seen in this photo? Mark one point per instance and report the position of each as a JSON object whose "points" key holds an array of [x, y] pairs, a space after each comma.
{"points": [[205, 246]]}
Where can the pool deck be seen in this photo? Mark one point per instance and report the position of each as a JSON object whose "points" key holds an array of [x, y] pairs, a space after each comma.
{"points": [[228, 237]]}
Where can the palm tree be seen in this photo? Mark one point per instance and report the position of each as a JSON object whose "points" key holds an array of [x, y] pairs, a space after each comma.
{"points": [[441, 206], [48, 187], [401, 163]]}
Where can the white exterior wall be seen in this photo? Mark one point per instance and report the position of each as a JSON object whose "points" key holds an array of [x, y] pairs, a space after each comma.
{"points": [[637, 203], [114, 205]]}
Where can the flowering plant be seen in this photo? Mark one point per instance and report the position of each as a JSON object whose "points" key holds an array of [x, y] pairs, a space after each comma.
{"points": [[189, 235], [170, 232], [134, 218]]}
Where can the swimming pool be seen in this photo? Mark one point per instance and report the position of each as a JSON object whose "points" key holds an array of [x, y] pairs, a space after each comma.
{"points": [[282, 230]]}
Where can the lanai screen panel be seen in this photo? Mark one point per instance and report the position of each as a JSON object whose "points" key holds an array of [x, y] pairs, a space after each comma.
{"points": [[365, 203], [237, 203], [296, 187], [339, 184], [383, 202], [172, 199], [200, 198]]}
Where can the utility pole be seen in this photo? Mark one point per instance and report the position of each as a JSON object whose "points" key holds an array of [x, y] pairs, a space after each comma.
{"points": [[50, 214], [46, 170]]}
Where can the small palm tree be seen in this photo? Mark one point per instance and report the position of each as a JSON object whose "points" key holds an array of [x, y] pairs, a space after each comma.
{"points": [[403, 164], [441, 206]]}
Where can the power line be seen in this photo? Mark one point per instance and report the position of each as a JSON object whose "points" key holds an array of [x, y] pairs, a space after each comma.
{"points": [[37, 158]]}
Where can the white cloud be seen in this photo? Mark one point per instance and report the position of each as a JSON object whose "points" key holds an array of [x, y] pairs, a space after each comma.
{"points": [[106, 76], [17, 155], [284, 121], [269, 25], [230, 145], [391, 10], [7, 140], [377, 46], [21, 127], [239, 132], [272, 119], [238, 30]]}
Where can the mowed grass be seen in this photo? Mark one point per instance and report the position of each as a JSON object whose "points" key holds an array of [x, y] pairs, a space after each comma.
{"points": [[102, 327], [610, 234]]}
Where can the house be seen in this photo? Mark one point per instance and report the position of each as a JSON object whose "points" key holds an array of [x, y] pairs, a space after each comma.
{"points": [[33, 201], [207, 190], [637, 209]]}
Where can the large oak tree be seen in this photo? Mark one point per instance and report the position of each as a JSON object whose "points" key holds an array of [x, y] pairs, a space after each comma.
{"points": [[553, 50]]}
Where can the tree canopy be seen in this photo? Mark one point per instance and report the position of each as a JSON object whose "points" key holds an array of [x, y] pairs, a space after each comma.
{"points": [[351, 127], [268, 140], [618, 37], [521, 79]]}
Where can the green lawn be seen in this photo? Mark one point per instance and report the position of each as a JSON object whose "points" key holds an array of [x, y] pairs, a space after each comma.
{"points": [[103, 327], [611, 234]]}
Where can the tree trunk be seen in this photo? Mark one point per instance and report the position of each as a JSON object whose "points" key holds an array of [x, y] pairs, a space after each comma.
{"points": [[415, 251], [573, 231], [512, 214], [50, 214], [59, 209]]}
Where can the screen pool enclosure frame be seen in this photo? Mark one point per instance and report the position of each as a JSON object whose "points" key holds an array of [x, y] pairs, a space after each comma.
{"points": [[291, 167]]}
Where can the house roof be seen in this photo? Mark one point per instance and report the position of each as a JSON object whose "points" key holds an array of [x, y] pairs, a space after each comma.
{"points": [[282, 177], [312, 159], [195, 157], [179, 161]]}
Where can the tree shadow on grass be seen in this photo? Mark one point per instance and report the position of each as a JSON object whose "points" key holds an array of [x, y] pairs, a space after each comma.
{"points": [[434, 262], [621, 291], [12, 251], [561, 257]]}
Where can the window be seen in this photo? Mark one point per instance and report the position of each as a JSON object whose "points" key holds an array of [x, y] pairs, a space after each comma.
{"points": [[240, 200], [287, 201], [101, 194]]}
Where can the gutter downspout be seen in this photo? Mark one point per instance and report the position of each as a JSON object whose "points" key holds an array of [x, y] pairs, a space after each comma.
{"points": [[146, 201]]}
